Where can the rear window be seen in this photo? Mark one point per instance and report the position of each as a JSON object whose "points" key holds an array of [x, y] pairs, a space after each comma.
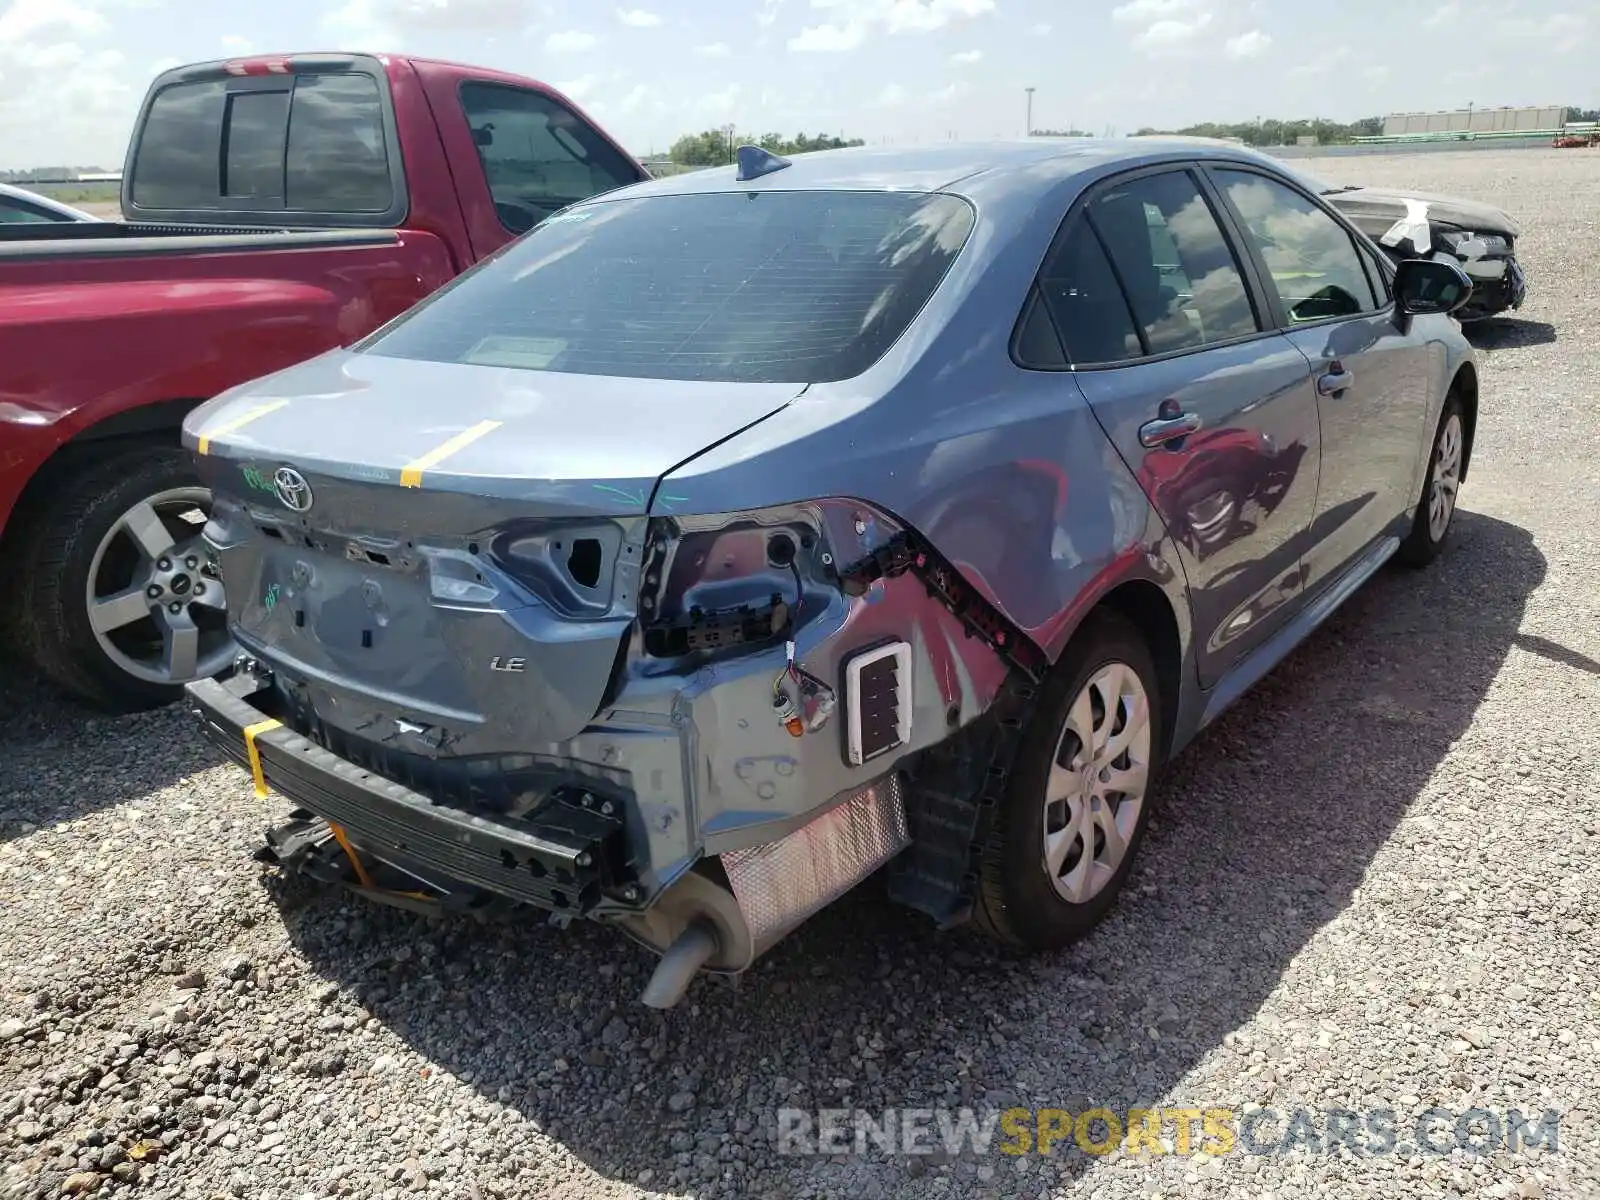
{"points": [[781, 287], [300, 143]]}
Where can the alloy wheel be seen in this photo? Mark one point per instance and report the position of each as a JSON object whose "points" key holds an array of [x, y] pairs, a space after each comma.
{"points": [[1446, 478], [1097, 783], [155, 599]]}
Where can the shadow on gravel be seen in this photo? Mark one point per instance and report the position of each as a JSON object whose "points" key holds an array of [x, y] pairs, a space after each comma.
{"points": [[1556, 652], [1270, 821], [60, 760], [1505, 333]]}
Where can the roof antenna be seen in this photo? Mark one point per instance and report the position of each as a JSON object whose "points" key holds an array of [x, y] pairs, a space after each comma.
{"points": [[754, 162]]}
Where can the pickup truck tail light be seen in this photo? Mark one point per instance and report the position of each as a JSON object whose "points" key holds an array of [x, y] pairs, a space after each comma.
{"points": [[279, 64], [257, 66]]}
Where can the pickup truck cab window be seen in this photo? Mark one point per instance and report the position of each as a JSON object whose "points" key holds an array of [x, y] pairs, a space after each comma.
{"points": [[266, 144], [1310, 258], [537, 155]]}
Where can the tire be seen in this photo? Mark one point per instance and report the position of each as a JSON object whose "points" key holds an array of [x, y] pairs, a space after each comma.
{"points": [[1428, 536], [1018, 901], [83, 536]]}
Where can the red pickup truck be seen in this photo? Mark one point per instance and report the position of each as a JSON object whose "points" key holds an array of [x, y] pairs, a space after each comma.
{"points": [[273, 209]]}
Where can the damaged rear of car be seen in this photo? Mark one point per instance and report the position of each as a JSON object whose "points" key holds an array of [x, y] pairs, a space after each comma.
{"points": [[1478, 238], [503, 644]]}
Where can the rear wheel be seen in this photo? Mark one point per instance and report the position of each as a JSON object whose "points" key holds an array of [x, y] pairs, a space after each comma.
{"points": [[1436, 508], [1075, 814], [119, 603]]}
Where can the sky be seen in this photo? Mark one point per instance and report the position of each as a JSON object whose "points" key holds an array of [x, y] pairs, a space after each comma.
{"points": [[72, 72]]}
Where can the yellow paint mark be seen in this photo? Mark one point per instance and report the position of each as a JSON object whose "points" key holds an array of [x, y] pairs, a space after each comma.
{"points": [[411, 473], [238, 422], [251, 732], [350, 853]]}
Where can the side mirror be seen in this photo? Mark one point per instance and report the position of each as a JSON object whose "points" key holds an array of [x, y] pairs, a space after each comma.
{"points": [[1426, 285]]}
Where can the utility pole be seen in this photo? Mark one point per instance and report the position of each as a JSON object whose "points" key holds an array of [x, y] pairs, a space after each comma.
{"points": [[1029, 90]]}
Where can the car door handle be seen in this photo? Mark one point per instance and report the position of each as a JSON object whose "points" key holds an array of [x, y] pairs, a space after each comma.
{"points": [[1332, 382], [1167, 429]]}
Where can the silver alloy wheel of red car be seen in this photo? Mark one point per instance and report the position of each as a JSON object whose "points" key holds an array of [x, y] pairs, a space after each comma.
{"points": [[1446, 477], [155, 602], [1097, 786]]}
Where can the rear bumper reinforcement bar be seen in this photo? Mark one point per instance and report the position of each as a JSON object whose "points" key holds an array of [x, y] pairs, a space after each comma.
{"points": [[563, 857]]}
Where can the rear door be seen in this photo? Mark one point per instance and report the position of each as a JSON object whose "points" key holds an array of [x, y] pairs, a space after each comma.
{"points": [[519, 154], [1371, 377], [1212, 410]]}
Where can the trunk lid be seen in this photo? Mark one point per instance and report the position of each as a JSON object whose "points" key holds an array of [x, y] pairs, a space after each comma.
{"points": [[557, 443], [450, 566]]}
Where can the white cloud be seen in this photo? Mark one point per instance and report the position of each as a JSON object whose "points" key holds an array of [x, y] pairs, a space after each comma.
{"points": [[891, 96], [1147, 12], [714, 50], [24, 18], [1165, 26], [1326, 60], [570, 41], [417, 24], [1442, 15], [1039, 29], [967, 56], [1172, 34], [234, 44], [1556, 28], [583, 85], [612, 104], [1248, 45], [638, 18], [829, 39], [721, 104], [769, 12], [951, 91], [865, 17]]}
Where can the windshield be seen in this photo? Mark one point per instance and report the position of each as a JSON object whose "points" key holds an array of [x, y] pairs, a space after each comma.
{"points": [[773, 287]]}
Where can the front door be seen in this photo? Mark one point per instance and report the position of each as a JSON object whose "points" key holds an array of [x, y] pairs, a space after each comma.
{"points": [[1371, 378], [1215, 416]]}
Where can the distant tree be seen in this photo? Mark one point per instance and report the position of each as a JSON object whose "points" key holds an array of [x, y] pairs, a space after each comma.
{"points": [[1061, 133], [713, 146], [1583, 114], [48, 173], [1276, 132]]}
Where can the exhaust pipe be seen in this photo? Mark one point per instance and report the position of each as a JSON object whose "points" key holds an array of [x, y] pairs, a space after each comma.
{"points": [[673, 974]]}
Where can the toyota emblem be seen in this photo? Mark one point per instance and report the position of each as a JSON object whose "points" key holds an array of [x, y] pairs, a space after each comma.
{"points": [[291, 488]]}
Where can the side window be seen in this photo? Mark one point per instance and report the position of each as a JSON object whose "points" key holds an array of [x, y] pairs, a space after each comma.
{"points": [[1313, 261], [1174, 264], [537, 156], [1037, 345], [1082, 297], [20, 212]]}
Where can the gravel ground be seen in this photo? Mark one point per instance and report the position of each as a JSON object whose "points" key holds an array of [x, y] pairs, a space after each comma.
{"points": [[1373, 885]]}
